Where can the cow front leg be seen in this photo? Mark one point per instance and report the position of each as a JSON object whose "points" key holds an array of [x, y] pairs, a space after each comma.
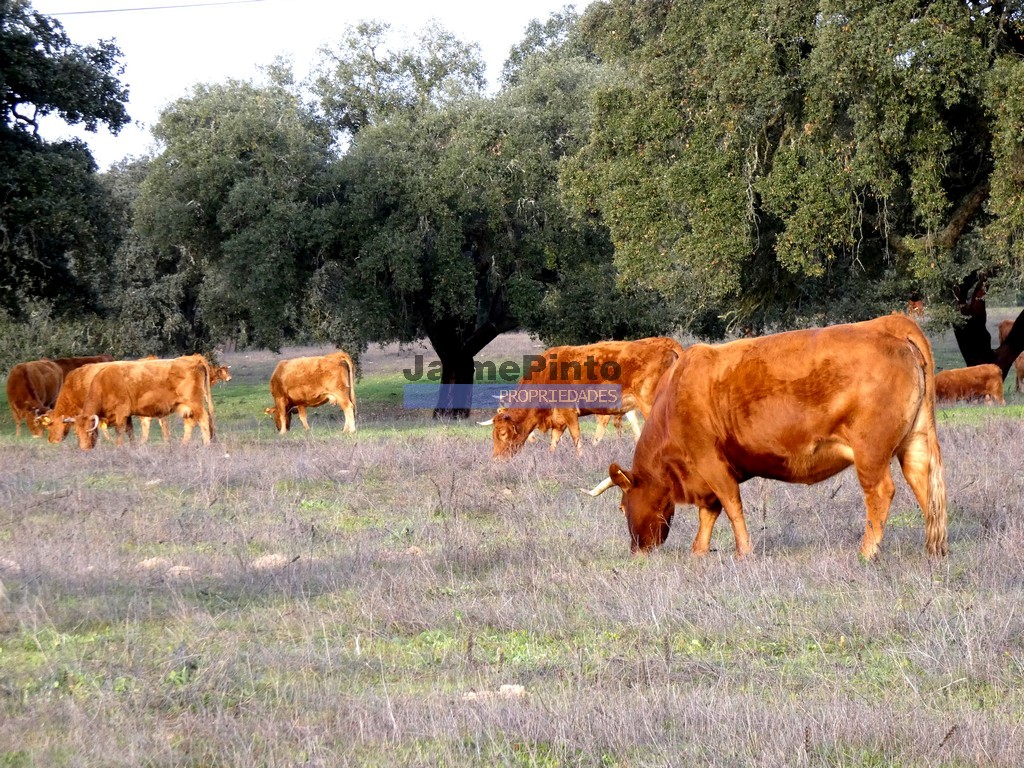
{"points": [[634, 422], [556, 435], [205, 420], [707, 516], [602, 426], [145, 422], [302, 416], [727, 490], [574, 432]]}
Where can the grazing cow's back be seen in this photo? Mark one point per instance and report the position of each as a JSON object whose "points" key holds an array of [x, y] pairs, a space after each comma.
{"points": [[308, 382], [68, 364], [798, 407], [978, 382], [634, 365], [32, 389]]}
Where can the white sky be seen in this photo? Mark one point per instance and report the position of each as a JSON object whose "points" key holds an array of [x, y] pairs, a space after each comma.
{"points": [[167, 51]]}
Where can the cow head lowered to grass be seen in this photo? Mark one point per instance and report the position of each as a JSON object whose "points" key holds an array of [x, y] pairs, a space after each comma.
{"points": [[799, 407]]}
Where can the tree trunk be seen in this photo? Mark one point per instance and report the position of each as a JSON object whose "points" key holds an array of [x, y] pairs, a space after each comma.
{"points": [[456, 352], [1012, 347], [456, 369], [973, 338]]}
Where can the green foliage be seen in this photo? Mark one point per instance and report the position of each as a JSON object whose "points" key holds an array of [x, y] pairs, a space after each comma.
{"points": [[40, 332], [788, 162], [236, 205], [52, 213], [453, 226], [363, 81]]}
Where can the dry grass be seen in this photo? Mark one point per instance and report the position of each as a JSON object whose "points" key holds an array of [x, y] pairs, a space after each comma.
{"points": [[330, 600]]}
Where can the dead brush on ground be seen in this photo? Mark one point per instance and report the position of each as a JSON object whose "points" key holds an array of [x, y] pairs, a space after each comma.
{"points": [[332, 600]]}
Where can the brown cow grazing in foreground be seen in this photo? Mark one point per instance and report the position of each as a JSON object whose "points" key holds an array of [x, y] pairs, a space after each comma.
{"points": [[153, 388], [799, 407], [217, 374], [634, 365], [32, 389], [309, 382], [978, 382]]}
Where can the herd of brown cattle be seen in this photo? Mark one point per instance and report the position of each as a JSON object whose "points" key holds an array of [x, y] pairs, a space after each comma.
{"points": [[92, 393], [799, 406]]}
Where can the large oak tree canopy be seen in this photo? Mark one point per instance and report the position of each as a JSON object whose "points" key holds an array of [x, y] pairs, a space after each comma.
{"points": [[793, 162], [53, 221]]}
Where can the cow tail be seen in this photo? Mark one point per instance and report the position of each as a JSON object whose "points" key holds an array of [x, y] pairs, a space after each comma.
{"points": [[351, 380], [935, 523]]}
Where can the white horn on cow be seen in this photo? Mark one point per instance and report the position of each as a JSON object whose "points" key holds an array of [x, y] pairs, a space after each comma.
{"points": [[95, 423], [600, 488], [68, 420], [487, 423]]}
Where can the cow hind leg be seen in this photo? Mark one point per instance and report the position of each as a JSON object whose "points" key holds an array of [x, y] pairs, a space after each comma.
{"points": [[145, 421], [879, 489], [602, 425], [350, 418], [205, 426], [302, 417], [165, 431]]}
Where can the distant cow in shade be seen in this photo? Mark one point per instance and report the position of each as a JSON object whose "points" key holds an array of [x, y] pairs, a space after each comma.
{"points": [[978, 382]]}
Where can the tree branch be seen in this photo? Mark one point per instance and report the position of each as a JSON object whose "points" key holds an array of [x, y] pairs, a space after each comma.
{"points": [[947, 237]]}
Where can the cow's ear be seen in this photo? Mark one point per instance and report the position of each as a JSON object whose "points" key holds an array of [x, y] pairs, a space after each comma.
{"points": [[621, 477]]}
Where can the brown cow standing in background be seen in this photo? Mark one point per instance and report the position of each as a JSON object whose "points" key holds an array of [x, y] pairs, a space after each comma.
{"points": [[32, 389], [309, 382], [800, 407], [151, 388], [978, 382], [638, 365]]}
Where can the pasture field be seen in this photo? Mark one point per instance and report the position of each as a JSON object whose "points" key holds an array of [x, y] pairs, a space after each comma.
{"points": [[331, 600]]}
